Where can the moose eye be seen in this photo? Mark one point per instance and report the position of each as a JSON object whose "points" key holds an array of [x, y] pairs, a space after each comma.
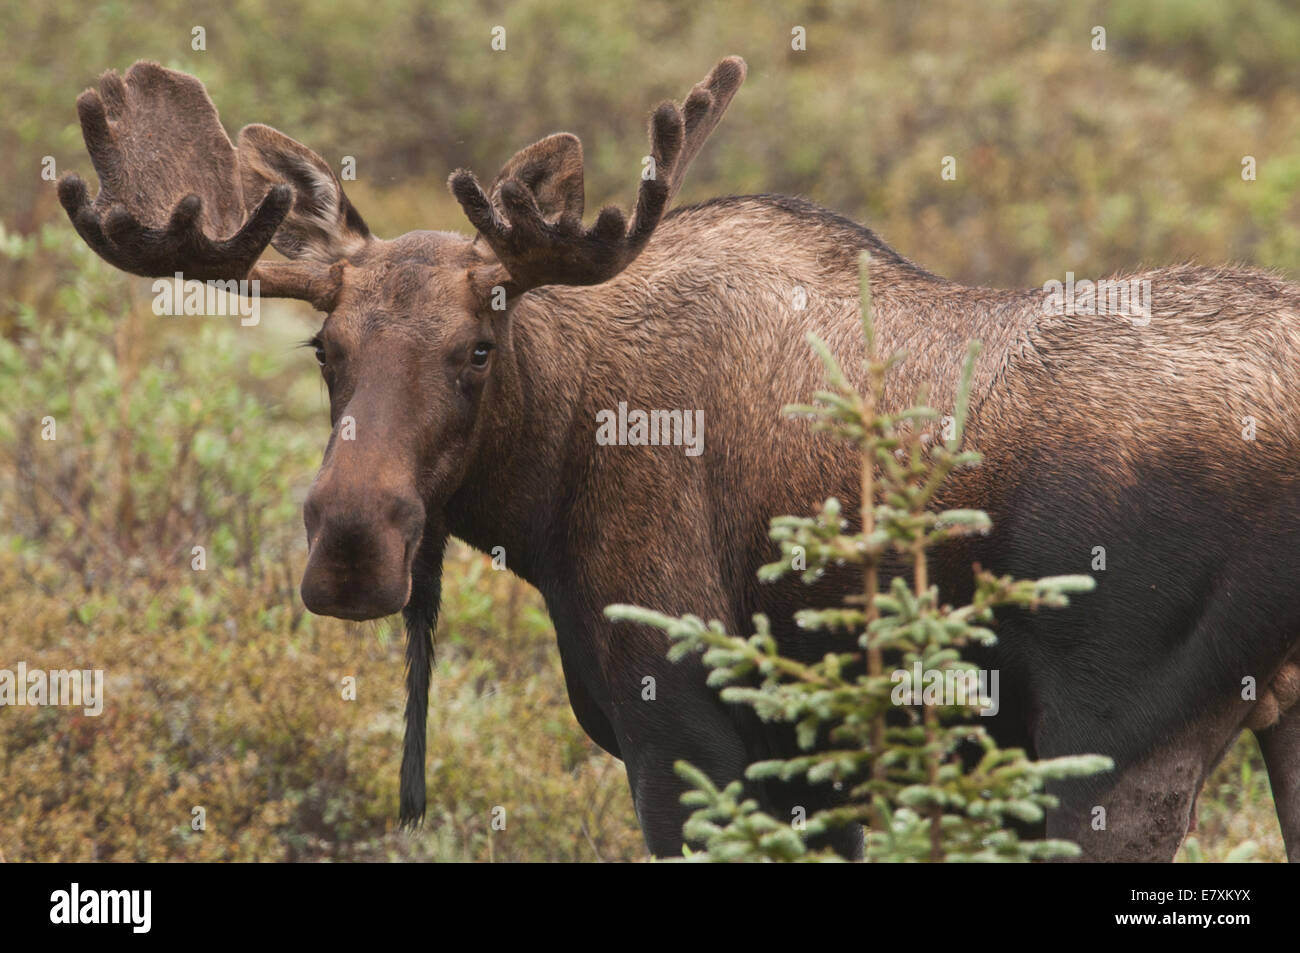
{"points": [[479, 357], [320, 355]]}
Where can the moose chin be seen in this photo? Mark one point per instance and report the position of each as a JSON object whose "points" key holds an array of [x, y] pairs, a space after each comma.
{"points": [[467, 375]]}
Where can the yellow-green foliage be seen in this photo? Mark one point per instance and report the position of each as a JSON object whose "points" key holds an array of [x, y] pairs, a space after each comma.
{"points": [[244, 715], [1067, 158]]}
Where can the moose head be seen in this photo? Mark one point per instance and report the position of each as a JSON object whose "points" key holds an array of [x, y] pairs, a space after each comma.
{"points": [[416, 329]]}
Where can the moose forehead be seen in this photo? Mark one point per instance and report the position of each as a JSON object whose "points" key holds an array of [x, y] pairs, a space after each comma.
{"points": [[419, 281]]}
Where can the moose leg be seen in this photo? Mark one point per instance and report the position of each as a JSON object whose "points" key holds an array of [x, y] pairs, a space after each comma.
{"points": [[687, 721], [1147, 811], [1143, 817], [675, 717], [798, 799], [1151, 805], [653, 712], [657, 790], [1280, 744]]}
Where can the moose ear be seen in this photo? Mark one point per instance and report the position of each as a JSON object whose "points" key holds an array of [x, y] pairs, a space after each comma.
{"points": [[321, 225], [551, 169]]}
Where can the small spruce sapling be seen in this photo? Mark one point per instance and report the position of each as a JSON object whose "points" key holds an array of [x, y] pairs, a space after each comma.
{"points": [[907, 781]]}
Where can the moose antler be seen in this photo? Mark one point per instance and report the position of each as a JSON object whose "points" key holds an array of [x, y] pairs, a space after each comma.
{"points": [[539, 250], [171, 198], [704, 106]]}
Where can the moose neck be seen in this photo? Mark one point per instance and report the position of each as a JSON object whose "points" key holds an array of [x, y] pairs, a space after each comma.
{"points": [[572, 349], [508, 496]]}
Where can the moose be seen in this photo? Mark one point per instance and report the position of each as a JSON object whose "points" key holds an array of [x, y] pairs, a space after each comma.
{"points": [[476, 371]]}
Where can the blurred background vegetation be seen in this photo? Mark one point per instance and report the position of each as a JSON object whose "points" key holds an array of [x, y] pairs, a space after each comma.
{"points": [[177, 432]]}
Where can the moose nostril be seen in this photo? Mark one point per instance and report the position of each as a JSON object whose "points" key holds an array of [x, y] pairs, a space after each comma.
{"points": [[362, 547], [352, 526], [407, 514], [311, 517]]}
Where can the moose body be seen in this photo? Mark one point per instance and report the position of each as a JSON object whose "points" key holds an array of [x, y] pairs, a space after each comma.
{"points": [[481, 422], [1084, 424]]}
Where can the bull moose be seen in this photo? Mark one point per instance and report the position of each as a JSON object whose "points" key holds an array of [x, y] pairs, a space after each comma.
{"points": [[476, 372]]}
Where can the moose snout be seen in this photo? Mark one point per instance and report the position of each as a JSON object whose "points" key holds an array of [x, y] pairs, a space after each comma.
{"points": [[360, 549]]}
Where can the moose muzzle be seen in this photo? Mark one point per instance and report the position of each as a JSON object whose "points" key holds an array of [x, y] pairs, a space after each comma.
{"points": [[361, 544]]}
